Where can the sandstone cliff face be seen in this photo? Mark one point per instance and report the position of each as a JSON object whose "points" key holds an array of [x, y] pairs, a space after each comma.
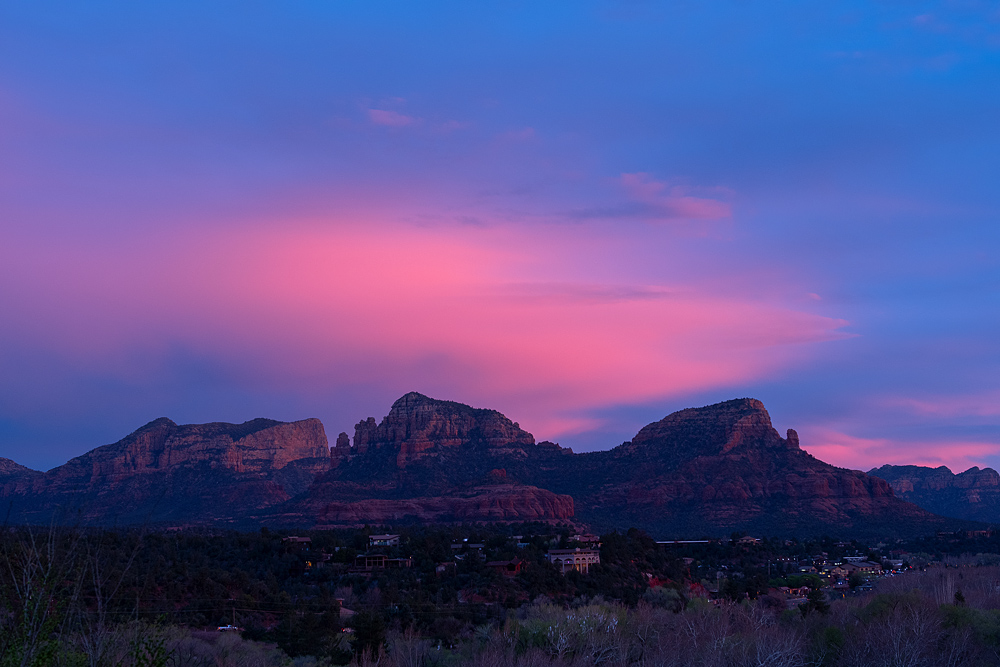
{"points": [[973, 494], [699, 471], [430, 460], [725, 466], [418, 427], [164, 472], [15, 478]]}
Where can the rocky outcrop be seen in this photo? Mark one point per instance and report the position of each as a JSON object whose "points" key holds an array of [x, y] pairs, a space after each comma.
{"points": [[430, 460], [418, 427], [724, 467], [15, 478], [167, 472], [973, 494], [699, 471]]}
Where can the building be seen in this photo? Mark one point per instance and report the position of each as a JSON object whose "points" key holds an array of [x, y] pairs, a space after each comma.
{"points": [[383, 540], [574, 559], [864, 567], [370, 562], [445, 568], [508, 568], [835, 571], [298, 543]]}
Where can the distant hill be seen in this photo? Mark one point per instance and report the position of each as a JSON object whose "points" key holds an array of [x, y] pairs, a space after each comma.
{"points": [[164, 472], [700, 471], [973, 494]]}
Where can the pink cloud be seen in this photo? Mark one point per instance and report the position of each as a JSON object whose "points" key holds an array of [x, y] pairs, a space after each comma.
{"points": [[672, 201], [984, 404], [849, 451], [490, 316], [389, 118]]}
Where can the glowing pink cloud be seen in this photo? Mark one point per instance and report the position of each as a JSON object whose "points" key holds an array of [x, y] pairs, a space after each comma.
{"points": [[672, 201], [849, 451], [484, 315], [390, 118]]}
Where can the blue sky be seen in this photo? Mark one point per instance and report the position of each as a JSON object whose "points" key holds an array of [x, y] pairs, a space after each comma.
{"points": [[585, 215]]}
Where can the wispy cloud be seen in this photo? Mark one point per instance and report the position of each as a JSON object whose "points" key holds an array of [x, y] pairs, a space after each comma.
{"points": [[389, 118], [982, 404], [848, 451], [653, 200], [519, 135], [445, 310]]}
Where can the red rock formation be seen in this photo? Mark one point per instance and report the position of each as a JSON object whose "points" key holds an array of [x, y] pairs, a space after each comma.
{"points": [[166, 471], [973, 494], [699, 471], [725, 467], [15, 478], [417, 427], [507, 502]]}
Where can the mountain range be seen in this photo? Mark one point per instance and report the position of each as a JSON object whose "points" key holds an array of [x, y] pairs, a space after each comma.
{"points": [[700, 471], [973, 494]]}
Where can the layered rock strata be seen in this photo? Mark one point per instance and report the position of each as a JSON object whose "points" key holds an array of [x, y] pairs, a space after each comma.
{"points": [[167, 472], [973, 494], [696, 472], [699, 471]]}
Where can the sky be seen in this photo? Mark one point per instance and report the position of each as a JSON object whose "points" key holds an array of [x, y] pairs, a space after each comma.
{"points": [[583, 214]]}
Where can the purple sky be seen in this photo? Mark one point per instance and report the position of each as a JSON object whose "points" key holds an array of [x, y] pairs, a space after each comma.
{"points": [[585, 215]]}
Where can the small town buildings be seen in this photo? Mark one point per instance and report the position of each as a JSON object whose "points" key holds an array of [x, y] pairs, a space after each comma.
{"points": [[370, 562], [574, 559], [508, 568], [297, 543], [864, 567], [383, 540]]}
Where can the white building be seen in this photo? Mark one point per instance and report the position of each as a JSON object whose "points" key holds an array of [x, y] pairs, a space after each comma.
{"points": [[574, 559]]}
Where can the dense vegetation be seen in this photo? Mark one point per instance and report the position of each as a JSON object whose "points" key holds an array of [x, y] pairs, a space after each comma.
{"points": [[104, 597]]}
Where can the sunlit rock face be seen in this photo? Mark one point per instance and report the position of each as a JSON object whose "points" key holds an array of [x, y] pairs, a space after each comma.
{"points": [[166, 472], [973, 494]]}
